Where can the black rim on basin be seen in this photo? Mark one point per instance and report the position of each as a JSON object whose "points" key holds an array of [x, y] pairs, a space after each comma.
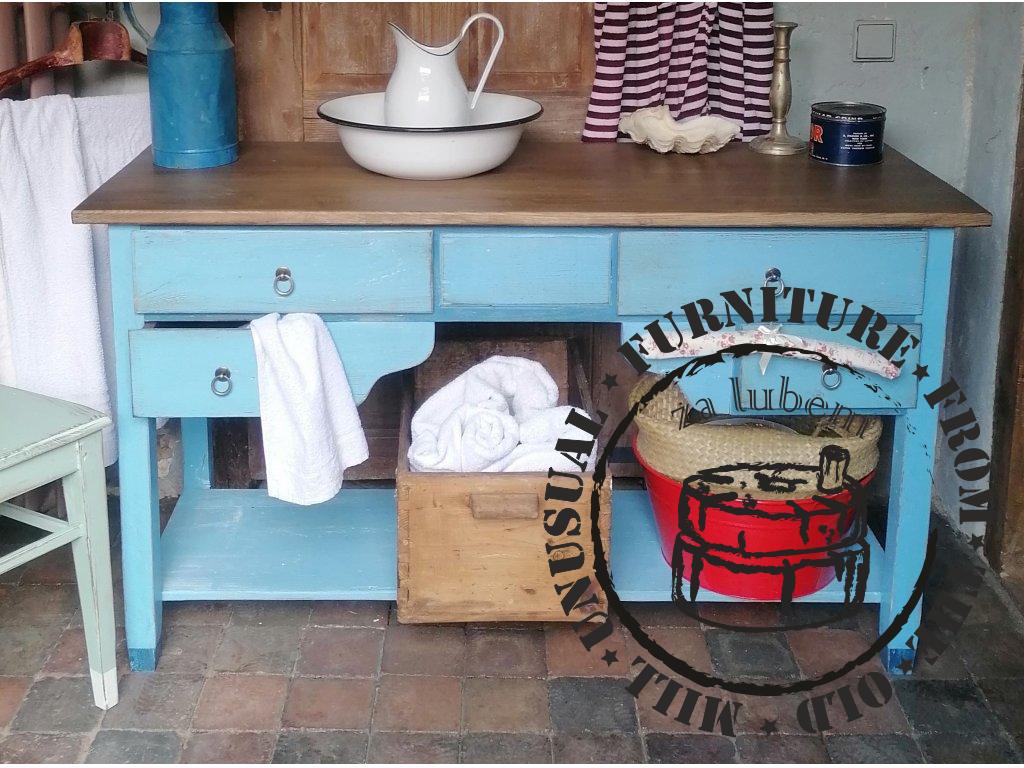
{"points": [[449, 129]]}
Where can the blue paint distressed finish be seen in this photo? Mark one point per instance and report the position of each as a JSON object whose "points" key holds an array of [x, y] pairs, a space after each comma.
{"points": [[660, 269], [382, 290], [913, 447], [864, 392], [898, 662], [140, 518], [173, 369], [242, 545], [143, 659], [184, 270], [192, 88], [491, 268], [196, 449]]}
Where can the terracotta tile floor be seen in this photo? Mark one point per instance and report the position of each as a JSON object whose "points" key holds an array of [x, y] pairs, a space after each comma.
{"points": [[343, 682]]}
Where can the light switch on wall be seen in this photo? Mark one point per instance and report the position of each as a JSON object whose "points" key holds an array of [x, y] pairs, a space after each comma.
{"points": [[874, 41]]}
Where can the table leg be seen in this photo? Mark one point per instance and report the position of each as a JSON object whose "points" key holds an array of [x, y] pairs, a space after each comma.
{"points": [[140, 500], [913, 462], [140, 540], [85, 493], [196, 448], [906, 537]]}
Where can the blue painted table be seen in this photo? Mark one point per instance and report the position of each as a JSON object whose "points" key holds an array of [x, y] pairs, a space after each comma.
{"points": [[563, 232]]}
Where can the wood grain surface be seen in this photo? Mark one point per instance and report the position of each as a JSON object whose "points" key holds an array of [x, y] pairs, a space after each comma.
{"points": [[449, 566], [268, 60], [548, 54], [543, 184], [292, 57]]}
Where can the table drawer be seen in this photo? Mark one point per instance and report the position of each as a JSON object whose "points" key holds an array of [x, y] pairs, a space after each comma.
{"points": [[255, 271], [516, 269], [174, 370], [793, 385], [798, 386], [660, 270]]}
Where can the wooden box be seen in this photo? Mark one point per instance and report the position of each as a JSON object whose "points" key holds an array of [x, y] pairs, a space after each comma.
{"points": [[472, 546]]}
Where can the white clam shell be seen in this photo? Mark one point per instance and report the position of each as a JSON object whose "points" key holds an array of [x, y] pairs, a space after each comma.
{"points": [[656, 128]]}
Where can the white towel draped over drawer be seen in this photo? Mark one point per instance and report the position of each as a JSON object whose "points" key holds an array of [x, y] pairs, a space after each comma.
{"points": [[311, 428]]}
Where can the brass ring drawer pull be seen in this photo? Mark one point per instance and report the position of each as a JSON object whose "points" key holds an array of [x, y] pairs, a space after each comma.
{"points": [[284, 283], [830, 377], [774, 275], [221, 385]]}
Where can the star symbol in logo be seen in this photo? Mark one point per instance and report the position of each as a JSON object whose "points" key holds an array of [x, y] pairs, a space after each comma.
{"points": [[610, 381], [920, 372], [769, 727], [977, 542], [906, 666], [610, 657]]}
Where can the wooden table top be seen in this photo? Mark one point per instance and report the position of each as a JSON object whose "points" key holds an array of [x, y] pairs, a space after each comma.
{"points": [[543, 184]]}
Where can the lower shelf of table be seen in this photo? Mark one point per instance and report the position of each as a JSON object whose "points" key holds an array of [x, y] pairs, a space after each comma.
{"points": [[243, 545]]}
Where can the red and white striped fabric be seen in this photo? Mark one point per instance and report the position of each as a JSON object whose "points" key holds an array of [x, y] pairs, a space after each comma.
{"points": [[699, 58]]}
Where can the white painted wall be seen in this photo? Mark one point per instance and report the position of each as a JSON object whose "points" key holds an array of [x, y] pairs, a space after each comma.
{"points": [[953, 100], [924, 90]]}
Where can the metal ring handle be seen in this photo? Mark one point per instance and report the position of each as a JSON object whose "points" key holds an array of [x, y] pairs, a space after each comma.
{"points": [[774, 275], [221, 385], [284, 283], [830, 377]]}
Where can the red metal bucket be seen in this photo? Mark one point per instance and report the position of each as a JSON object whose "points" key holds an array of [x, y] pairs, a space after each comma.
{"points": [[732, 530], [767, 578]]}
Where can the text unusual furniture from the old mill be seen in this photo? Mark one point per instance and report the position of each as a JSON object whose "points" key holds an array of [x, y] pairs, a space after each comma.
{"points": [[562, 232]]}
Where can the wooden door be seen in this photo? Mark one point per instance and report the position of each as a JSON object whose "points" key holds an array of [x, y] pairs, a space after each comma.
{"points": [[1004, 536], [293, 57]]}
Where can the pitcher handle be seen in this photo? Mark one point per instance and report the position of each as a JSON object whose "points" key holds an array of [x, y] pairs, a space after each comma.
{"points": [[494, 52], [129, 13]]}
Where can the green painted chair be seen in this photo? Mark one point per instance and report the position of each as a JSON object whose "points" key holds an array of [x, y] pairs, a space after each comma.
{"points": [[41, 440]]}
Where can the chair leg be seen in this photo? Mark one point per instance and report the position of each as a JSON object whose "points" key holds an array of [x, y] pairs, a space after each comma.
{"points": [[86, 497]]}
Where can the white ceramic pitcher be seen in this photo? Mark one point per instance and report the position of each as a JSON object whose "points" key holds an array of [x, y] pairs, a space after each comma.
{"points": [[426, 90]]}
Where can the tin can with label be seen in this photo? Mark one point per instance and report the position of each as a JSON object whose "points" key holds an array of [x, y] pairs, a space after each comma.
{"points": [[847, 132]]}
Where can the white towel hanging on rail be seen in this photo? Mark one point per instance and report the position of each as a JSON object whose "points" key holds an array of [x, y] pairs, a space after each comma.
{"points": [[54, 278]]}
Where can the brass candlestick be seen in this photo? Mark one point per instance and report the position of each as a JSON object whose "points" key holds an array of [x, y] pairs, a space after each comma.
{"points": [[778, 140]]}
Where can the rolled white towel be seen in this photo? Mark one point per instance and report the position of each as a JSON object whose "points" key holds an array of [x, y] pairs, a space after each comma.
{"points": [[469, 440], [545, 427], [526, 384], [539, 435], [511, 384]]}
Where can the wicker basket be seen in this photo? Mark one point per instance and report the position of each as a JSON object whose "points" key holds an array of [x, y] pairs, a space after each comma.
{"points": [[681, 451]]}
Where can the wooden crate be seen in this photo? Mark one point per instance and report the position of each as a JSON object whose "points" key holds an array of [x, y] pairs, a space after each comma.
{"points": [[471, 546]]}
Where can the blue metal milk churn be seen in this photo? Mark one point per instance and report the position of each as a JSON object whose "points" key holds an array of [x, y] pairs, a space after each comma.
{"points": [[191, 87]]}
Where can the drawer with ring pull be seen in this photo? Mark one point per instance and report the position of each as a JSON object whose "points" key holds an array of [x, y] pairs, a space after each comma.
{"points": [[211, 371], [806, 387], [327, 270], [661, 269], [798, 385]]}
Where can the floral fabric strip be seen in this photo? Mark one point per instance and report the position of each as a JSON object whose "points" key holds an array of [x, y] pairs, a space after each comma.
{"points": [[844, 354]]}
